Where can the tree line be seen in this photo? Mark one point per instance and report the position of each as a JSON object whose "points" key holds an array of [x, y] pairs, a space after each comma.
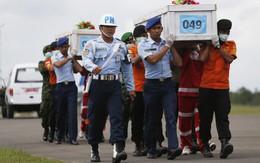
{"points": [[244, 96]]}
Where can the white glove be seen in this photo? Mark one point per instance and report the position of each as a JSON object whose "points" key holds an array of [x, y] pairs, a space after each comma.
{"points": [[215, 41], [69, 57], [73, 52], [169, 40]]}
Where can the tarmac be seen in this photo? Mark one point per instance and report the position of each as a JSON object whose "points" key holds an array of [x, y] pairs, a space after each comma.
{"points": [[24, 133]]}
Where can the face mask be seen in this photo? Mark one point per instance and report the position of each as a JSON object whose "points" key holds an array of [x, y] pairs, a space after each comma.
{"points": [[48, 55], [110, 36], [223, 37], [139, 39], [129, 45]]}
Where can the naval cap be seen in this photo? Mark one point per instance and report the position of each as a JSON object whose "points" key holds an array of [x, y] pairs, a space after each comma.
{"points": [[63, 41], [152, 22]]}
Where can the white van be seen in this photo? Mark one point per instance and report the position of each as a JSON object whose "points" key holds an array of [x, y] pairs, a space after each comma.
{"points": [[23, 92]]}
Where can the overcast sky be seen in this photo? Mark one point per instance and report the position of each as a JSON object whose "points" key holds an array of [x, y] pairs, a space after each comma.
{"points": [[28, 25]]}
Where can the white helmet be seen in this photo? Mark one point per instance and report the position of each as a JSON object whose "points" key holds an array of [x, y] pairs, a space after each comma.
{"points": [[108, 20]]}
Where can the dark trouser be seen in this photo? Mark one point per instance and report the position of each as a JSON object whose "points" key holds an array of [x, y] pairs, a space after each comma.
{"points": [[177, 103], [158, 95], [126, 115], [159, 128], [105, 97], [66, 99], [53, 108], [137, 116], [210, 101]]}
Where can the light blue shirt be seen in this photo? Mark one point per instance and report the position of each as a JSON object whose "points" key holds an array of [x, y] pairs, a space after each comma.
{"points": [[64, 73], [161, 69], [97, 51]]}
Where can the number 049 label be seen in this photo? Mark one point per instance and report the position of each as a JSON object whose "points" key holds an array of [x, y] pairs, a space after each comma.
{"points": [[193, 24]]}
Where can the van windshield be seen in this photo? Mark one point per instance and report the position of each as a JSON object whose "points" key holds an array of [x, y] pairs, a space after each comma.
{"points": [[25, 75]]}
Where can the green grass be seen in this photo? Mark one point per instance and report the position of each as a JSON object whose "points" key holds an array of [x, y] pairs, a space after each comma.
{"points": [[8, 155], [244, 110]]}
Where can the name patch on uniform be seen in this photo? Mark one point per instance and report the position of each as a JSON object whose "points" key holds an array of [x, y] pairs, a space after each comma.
{"points": [[151, 49]]}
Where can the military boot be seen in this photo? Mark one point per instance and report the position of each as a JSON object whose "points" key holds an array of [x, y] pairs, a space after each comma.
{"points": [[226, 148], [45, 134], [206, 150], [160, 150], [118, 152], [94, 153]]}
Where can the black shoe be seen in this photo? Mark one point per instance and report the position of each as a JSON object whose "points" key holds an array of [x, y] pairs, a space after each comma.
{"points": [[118, 152], [45, 135], [173, 153], [226, 149], [73, 142], [160, 150], [151, 156], [206, 151], [51, 137], [94, 156], [94, 153], [194, 148]]}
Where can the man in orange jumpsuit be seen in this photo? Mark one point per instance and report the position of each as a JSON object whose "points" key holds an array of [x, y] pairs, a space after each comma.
{"points": [[214, 89]]}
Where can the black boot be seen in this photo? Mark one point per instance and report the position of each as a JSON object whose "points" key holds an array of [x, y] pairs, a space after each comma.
{"points": [[160, 150], [94, 153], [206, 150], [118, 152], [45, 134], [226, 148], [138, 150]]}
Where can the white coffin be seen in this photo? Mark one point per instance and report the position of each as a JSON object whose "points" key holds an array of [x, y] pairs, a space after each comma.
{"points": [[186, 22]]}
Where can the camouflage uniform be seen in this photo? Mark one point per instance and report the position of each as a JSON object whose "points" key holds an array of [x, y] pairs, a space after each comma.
{"points": [[45, 108]]}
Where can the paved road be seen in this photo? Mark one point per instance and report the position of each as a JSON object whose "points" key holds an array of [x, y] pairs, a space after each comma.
{"points": [[24, 132]]}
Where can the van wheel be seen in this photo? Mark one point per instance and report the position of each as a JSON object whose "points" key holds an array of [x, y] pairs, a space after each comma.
{"points": [[4, 111], [9, 111]]}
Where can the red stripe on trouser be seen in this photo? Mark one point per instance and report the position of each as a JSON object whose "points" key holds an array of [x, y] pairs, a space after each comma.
{"points": [[188, 105]]}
